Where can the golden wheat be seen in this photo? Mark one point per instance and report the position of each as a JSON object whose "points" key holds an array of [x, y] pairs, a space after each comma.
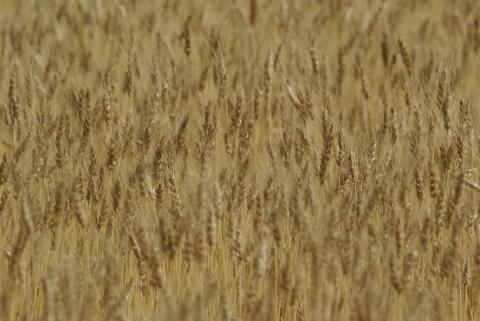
{"points": [[239, 160]]}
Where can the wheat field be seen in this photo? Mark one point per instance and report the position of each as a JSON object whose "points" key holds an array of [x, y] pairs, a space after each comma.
{"points": [[235, 160]]}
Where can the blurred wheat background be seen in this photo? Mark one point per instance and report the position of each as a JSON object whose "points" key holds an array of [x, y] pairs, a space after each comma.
{"points": [[239, 160]]}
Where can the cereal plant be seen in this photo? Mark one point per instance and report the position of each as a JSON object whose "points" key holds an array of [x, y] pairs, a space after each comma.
{"points": [[227, 160]]}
